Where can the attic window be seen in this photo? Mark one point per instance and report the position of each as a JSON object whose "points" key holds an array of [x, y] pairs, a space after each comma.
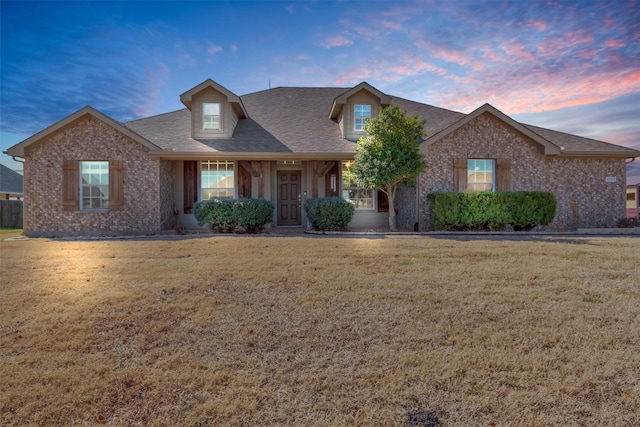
{"points": [[210, 116], [360, 114]]}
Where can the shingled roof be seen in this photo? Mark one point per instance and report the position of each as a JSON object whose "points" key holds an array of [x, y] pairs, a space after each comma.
{"points": [[295, 120], [10, 181]]}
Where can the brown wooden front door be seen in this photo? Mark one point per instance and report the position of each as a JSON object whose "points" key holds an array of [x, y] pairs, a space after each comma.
{"points": [[289, 198]]}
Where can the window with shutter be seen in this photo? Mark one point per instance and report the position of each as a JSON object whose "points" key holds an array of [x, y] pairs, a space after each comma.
{"points": [[94, 185]]}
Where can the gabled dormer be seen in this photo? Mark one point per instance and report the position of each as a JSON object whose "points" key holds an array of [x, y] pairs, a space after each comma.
{"points": [[215, 110], [354, 106]]}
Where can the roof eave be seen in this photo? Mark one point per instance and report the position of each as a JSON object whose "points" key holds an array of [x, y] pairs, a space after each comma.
{"points": [[227, 155], [18, 150], [187, 97], [550, 148]]}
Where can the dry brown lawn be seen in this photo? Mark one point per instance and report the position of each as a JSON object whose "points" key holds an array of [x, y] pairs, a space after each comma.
{"points": [[247, 331]]}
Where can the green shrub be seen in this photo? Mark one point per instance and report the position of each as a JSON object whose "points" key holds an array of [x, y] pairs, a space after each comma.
{"points": [[529, 209], [225, 215], [254, 214], [329, 213], [491, 211]]}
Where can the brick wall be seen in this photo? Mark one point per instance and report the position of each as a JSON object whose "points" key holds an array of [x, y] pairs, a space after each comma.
{"points": [[90, 139], [584, 198]]}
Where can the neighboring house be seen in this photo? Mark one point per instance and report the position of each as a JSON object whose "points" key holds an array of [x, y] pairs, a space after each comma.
{"points": [[89, 174], [633, 200], [10, 184]]}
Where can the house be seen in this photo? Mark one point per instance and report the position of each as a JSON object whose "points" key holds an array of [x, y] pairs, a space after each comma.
{"points": [[89, 174], [10, 183]]}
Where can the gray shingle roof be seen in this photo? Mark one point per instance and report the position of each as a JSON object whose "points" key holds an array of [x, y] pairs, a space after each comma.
{"points": [[296, 120], [10, 181]]}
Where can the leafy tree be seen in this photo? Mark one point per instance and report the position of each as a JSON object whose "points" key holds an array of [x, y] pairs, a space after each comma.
{"points": [[390, 155]]}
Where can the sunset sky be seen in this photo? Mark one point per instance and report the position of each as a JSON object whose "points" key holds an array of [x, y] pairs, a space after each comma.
{"points": [[569, 66]]}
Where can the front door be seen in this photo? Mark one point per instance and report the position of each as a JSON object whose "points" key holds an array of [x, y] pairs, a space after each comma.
{"points": [[289, 198]]}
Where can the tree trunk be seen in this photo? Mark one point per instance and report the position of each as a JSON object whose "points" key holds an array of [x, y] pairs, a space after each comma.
{"points": [[391, 194]]}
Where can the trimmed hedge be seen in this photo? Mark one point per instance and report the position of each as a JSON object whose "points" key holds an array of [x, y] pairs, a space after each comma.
{"points": [[226, 215], [466, 211], [329, 213]]}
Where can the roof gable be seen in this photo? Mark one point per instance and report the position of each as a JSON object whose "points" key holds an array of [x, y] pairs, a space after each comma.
{"points": [[18, 150], [341, 99], [187, 97], [549, 147]]}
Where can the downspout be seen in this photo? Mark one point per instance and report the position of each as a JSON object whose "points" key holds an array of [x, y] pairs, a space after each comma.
{"points": [[16, 160]]}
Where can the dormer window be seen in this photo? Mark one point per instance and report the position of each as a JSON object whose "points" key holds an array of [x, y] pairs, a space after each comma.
{"points": [[211, 116], [360, 114]]}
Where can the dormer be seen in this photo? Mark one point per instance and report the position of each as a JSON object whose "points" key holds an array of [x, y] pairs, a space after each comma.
{"points": [[215, 111], [351, 108]]}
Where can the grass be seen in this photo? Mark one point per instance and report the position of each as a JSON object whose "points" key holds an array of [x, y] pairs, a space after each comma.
{"points": [[320, 331], [6, 233]]}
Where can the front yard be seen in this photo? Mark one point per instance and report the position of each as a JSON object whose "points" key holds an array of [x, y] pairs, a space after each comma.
{"points": [[239, 330]]}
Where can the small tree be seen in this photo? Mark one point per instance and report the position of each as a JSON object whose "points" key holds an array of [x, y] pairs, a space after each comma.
{"points": [[390, 154]]}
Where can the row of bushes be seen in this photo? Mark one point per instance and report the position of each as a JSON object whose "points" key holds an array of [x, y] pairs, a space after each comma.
{"points": [[227, 215], [523, 210], [251, 215]]}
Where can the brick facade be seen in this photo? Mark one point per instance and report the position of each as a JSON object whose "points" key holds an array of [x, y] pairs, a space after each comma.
{"points": [[91, 139], [584, 197]]}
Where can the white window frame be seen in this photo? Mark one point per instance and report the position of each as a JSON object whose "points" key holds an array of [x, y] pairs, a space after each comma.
{"points": [[479, 169], [208, 186], [211, 116], [94, 185], [361, 112], [350, 186]]}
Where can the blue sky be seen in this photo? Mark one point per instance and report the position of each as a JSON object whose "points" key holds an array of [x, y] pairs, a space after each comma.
{"points": [[569, 66]]}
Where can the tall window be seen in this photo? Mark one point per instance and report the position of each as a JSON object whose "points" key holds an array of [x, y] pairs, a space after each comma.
{"points": [[94, 185], [360, 114], [211, 116], [481, 175], [217, 179], [362, 198]]}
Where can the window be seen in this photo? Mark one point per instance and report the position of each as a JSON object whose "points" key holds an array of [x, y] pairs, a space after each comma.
{"points": [[211, 116], [362, 198], [360, 114], [94, 185], [480, 175], [217, 179]]}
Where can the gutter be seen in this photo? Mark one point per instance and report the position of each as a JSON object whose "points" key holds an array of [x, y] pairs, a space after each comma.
{"points": [[168, 155]]}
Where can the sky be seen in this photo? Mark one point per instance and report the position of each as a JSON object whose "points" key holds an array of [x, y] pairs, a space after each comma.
{"points": [[572, 66]]}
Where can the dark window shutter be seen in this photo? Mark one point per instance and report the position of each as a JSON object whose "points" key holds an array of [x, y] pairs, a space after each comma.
{"points": [[383, 201], [190, 185], [116, 185], [504, 175], [459, 175], [70, 185]]}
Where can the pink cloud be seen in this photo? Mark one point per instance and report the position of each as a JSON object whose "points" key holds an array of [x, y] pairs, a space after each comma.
{"points": [[354, 75], [614, 43], [518, 52], [337, 41], [539, 25]]}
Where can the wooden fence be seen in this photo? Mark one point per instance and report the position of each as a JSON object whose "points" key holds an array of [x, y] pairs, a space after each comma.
{"points": [[10, 213]]}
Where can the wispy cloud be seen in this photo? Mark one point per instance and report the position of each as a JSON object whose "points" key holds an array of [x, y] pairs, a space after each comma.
{"points": [[213, 49], [337, 41]]}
